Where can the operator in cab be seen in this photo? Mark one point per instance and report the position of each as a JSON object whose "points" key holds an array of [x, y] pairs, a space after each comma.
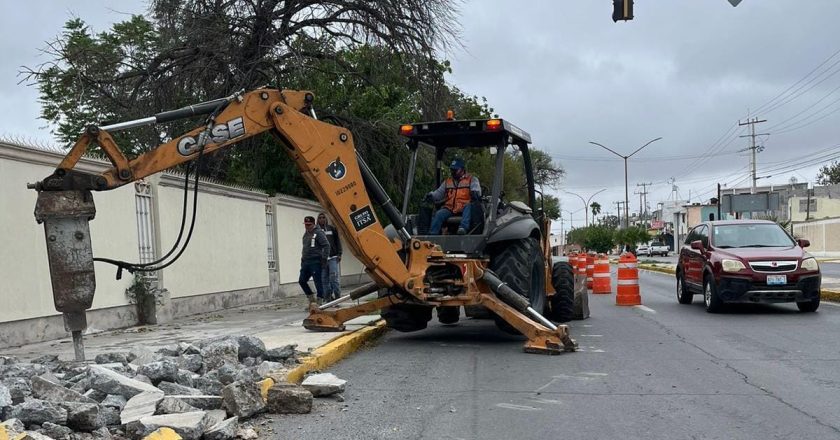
{"points": [[455, 194]]}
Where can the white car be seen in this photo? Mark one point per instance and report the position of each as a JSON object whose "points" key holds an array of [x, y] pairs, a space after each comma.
{"points": [[658, 248], [643, 249]]}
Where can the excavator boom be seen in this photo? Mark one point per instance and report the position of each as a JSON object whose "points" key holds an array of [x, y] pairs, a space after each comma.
{"points": [[326, 158]]}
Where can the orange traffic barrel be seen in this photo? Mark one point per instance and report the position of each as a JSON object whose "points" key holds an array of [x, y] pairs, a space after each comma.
{"points": [[581, 265], [590, 270], [627, 291], [601, 275]]}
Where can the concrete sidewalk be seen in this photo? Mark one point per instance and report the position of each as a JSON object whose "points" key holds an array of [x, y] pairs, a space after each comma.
{"points": [[277, 323]]}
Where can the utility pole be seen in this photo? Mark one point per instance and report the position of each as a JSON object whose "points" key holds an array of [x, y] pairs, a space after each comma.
{"points": [[644, 194], [752, 135], [618, 206]]}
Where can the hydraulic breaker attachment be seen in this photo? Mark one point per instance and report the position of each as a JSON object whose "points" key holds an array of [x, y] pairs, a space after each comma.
{"points": [[543, 336], [321, 319], [65, 215]]}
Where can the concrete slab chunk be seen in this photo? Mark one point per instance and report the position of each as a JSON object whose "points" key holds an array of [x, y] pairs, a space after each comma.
{"points": [[114, 401], [215, 416], [111, 382], [52, 392], [243, 399], [141, 405], [250, 346], [285, 399], [325, 384], [218, 353], [83, 416], [190, 426], [170, 405], [5, 396], [201, 401], [39, 411], [170, 389], [159, 371], [225, 430]]}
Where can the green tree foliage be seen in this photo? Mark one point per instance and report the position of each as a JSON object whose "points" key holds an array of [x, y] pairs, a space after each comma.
{"points": [[596, 209], [829, 174], [599, 239], [550, 206], [371, 66], [631, 236], [593, 238]]}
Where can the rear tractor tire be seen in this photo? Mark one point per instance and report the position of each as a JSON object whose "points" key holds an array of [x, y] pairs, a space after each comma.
{"points": [[520, 264], [448, 314], [561, 305], [406, 317]]}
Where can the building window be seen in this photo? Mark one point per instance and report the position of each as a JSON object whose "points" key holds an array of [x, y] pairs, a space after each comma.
{"points": [[269, 233], [803, 205], [145, 225]]}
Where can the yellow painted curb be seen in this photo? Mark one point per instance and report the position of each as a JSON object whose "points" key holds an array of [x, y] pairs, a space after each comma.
{"points": [[163, 434], [265, 384], [335, 350]]}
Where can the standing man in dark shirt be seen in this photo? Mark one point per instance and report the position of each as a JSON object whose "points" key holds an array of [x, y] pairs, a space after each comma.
{"points": [[313, 258], [332, 270]]}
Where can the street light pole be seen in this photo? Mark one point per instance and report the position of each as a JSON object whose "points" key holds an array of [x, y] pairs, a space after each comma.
{"points": [[626, 190], [586, 205]]}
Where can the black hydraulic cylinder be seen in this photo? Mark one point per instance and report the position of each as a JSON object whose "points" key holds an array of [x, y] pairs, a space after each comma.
{"points": [[202, 108], [505, 292], [379, 196]]}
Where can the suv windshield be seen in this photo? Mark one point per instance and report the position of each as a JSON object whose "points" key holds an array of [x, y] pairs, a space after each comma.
{"points": [[750, 235]]}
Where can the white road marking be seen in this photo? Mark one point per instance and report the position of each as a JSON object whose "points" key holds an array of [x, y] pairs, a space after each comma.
{"points": [[592, 336], [547, 401], [517, 407], [588, 373], [645, 308], [828, 303]]}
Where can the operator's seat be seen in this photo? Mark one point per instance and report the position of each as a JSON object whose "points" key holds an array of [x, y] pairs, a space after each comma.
{"points": [[476, 220]]}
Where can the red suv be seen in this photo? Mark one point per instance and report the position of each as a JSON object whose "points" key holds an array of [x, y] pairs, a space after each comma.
{"points": [[746, 261]]}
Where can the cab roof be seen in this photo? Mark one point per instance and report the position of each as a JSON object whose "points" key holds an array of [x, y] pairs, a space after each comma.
{"points": [[465, 133]]}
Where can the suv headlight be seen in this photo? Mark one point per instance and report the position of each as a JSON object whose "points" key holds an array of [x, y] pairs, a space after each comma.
{"points": [[810, 264], [732, 265]]}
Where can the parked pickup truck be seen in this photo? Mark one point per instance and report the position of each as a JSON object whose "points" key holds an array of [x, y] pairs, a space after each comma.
{"points": [[658, 248]]}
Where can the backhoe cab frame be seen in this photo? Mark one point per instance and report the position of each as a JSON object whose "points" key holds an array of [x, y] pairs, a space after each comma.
{"points": [[339, 178]]}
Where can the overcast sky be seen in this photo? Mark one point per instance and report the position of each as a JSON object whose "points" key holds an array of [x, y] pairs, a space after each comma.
{"points": [[683, 70]]}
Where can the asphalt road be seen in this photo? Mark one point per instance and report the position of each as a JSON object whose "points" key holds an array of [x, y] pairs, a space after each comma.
{"points": [[662, 371]]}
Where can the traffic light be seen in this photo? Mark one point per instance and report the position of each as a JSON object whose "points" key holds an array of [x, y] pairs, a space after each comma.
{"points": [[622, 10]]}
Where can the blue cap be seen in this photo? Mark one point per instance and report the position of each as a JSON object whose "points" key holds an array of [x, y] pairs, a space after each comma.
{"points": [[457, 164]]}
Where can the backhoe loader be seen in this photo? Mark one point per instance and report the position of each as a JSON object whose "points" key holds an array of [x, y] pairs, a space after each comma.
{"points": [[503, 266]]}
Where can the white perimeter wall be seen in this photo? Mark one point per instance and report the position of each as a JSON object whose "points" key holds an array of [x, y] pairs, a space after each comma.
{"points": [[228, 250]]}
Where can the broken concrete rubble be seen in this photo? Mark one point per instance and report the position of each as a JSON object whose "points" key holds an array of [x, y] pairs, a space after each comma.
{"points": [[324, 384], [284, 399], [111, 382], [225, 430], [141, 405], [170, 405], [159, 371], [117, 396], [53, 392], [243, 399], [190, 425], [36, 411], [170, 388]]}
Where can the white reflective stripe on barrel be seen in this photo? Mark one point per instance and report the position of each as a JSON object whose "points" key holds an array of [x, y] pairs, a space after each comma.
{"points": [[628, 282], [626, 265], [601, 275]]}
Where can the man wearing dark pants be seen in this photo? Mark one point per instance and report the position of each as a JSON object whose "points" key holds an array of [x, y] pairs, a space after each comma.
{"points": [[313, 258], [332, 271]]}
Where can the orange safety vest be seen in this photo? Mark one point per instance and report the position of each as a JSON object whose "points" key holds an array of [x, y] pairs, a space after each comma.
{"points": [[457, 195]]}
